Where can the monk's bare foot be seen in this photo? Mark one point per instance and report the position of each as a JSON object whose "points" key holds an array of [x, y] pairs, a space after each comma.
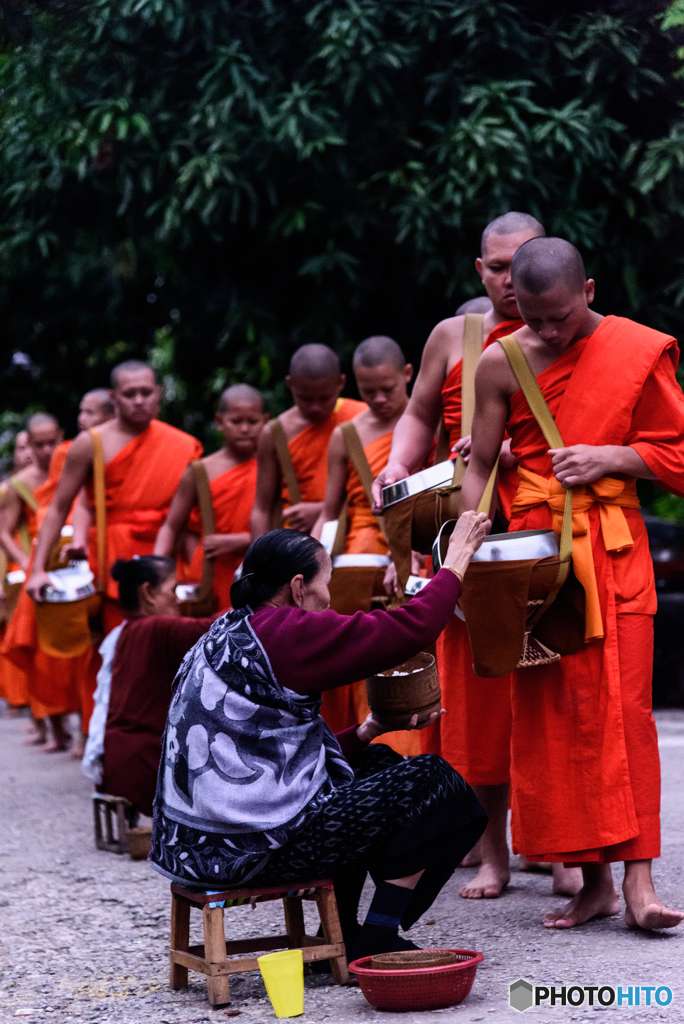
{"points": [[472, 858], [489, 882], [596, 898], [644, 909], [36, 738], [56, 746], [78, 748], [534, 866], [566, 881]]}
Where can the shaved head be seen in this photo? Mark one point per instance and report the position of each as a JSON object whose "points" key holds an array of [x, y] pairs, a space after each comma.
{"points": [[542, 263], [479, 305], [314, 362], [240, 394], [130, 366], [41, 419], [379, 350], [103, 399], [512, 223]]}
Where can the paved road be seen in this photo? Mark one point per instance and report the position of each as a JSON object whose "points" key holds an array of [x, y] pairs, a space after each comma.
{"points": [[83, 934]]}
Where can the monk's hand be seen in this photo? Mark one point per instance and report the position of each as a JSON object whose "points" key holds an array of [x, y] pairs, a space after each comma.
{"points": [[389, 582], [74, 552], [215, 544], [506, 457], [392, 472], [303, 516], [582, 463], [34, 587], [462, 447], [469, 532]]}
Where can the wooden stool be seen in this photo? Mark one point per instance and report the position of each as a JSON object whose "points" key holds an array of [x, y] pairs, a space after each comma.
{"points": [[213, 957], [109, 810]]}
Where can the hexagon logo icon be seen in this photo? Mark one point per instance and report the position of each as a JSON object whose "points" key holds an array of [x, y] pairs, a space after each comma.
{"points": [[521, 995]]}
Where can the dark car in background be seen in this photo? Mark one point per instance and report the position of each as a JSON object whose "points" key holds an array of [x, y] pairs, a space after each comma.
{"points": [[666, 541]]}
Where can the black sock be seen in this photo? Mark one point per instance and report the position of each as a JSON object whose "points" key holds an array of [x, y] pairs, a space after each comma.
{"points": [[379, 932]]}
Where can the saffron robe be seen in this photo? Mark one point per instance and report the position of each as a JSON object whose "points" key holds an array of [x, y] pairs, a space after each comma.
{"points": [[309, 451], [585, 769], [140, 481], [475, 732], [347, 705], [54, 684], [232, 495]]}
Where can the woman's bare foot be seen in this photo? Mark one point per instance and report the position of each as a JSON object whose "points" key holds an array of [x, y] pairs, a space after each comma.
{"points": [[472, 858], [596, 898], [489, 882], [566, 881], [644, 909]]}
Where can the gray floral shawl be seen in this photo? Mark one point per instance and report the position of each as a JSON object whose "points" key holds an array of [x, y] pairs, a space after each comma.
{"points": [[242, 754]]}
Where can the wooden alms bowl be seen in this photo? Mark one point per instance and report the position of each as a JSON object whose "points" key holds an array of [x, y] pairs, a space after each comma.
{"points": [[395, 699]]}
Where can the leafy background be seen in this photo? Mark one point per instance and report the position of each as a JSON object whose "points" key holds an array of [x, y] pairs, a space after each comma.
{"points": [[211, 184]]}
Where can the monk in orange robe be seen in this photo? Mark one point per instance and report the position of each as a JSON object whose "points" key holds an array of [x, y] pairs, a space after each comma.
{"points": [[232, 473], [316, 383], [610, 385], [59, 684], [13, 682], [382, 377], [144, 461], [475, 733]]}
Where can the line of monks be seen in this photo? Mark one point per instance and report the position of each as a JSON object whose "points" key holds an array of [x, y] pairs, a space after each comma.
{"points": [[570, 747]]}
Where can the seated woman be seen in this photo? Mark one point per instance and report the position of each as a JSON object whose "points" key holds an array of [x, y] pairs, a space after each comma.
{"points": [[139, 661], [253, 785]]}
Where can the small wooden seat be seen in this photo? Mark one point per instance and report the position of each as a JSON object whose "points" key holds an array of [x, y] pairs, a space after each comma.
{"points": [[215, 957], [114, 816]]}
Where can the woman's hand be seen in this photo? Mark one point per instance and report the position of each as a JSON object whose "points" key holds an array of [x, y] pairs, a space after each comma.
{"points": [[469, 532], [373, 727]]}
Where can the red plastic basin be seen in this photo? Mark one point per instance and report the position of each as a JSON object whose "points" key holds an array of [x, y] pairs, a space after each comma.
{"points": [[425, 988]]}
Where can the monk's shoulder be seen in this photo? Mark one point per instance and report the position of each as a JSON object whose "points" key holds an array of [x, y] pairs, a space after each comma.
{"points": [[630, 333], [348, 409], [167, 434], [446, 336]]}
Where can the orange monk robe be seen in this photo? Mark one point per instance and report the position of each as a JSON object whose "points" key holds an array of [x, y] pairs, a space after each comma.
{"points": [[309, 451], [54, 684], [232, 495], [140, 482], [13, 681], [347, 705], [585, 770], [475, 732]]}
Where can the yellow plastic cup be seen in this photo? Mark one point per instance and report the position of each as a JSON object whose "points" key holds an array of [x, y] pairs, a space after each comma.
{"points": [[283, 975]]}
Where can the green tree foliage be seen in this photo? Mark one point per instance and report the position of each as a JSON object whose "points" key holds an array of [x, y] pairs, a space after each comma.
{"points": [[219, 181]]}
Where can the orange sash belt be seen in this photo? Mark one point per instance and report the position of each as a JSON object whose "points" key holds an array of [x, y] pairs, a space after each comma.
{"points": [[612, 496]]}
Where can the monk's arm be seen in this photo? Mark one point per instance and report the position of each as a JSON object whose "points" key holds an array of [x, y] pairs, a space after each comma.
{"points": [[268, 478], [337, 482], [585, 463], [180, 508], [76, 468], [489, 424], [415, 431], [10, 517]]}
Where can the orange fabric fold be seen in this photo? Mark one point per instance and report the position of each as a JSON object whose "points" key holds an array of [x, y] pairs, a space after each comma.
{"points": [[611, 495]]}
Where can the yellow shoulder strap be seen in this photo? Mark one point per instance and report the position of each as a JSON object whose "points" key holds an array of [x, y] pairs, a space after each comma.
{"points": [[473, 340], [100, 508], [24, 492], [285, 459], [361, 465], [546, 423], [206, 507]]}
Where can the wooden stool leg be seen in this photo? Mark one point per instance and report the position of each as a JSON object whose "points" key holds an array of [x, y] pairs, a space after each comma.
{"points": [[121, 825], [330, 919], [180, 939], [294, 921], [98, 824], [215, 953]]}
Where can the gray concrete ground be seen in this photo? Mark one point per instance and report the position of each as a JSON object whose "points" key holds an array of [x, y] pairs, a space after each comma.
{"points": [[83, 934]]}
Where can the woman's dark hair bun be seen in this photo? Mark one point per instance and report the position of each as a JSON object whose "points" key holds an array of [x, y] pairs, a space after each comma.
{"points": [[132, 573], [271, 562]]}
